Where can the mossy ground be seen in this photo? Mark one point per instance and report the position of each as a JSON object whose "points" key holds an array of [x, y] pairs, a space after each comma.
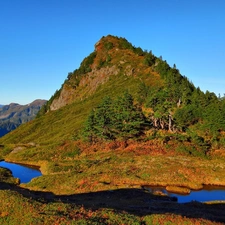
{"points": [[101, 184]]}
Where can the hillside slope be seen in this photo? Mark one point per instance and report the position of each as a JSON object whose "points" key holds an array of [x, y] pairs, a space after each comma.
{"points": [[113, 67], [173, 107]]}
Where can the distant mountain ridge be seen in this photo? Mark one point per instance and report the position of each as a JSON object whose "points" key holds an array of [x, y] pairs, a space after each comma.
{"points": [[14, 114]]}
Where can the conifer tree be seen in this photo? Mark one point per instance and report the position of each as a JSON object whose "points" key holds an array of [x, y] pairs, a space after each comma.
{"points": [[115, 119], [128, 119]]}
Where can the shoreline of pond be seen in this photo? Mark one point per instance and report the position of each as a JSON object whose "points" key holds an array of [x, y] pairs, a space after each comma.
{"points": [[32, 166], [25, 173], [161, 189]]}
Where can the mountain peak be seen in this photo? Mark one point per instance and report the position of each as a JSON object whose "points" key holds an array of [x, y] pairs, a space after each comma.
{"points": [[108, 42], [38, 102], [113, 56], [167, 99]]}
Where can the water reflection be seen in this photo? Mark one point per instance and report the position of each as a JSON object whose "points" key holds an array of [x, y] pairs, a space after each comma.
{"points": [[209, 193], [24, 173], [202, 196]]}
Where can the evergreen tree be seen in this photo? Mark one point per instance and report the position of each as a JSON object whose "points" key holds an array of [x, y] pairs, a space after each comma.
{"points": [[115, 119], [128, 117], [89, 130], [186, 116]]}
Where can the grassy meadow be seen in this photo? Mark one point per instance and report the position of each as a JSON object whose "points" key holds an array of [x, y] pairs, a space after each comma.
{"points": [[103, 184]]}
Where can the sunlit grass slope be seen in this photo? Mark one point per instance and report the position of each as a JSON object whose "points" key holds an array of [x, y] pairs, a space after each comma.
{"points": [[66, 122]]}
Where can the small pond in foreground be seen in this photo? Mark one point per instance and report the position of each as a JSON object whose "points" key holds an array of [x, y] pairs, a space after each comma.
{"points": [[208, 193], [24, 173]]}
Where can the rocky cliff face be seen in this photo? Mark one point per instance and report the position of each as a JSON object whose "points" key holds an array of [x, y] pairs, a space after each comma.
{"points": [[87, 86], [112, 56], [13, 115], [88, 82]]}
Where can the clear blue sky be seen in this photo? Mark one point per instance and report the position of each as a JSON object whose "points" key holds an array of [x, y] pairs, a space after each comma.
{"points": [[42, 40]]}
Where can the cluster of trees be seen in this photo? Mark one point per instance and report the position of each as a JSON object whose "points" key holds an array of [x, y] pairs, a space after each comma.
{"points": [[115, 119], [181, 107], [178, 107]]}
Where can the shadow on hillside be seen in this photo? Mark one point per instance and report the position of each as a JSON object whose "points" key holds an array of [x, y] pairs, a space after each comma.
{"points": [[135, 201]]}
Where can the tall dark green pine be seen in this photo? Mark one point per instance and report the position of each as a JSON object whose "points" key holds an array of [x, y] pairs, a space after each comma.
{"points": [[98, 124], [89, 130], [103, 121], [128, 117]]}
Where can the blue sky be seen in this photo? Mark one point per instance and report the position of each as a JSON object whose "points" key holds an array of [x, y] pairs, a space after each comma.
{"points": [[42, 40]]}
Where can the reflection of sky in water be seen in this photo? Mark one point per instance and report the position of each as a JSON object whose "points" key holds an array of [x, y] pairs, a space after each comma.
{"points": [[212, 194], [25, 174], [201, 196]]}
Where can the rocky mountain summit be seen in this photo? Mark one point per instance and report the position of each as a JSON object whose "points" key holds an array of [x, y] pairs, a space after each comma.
{"points": [[112, 57], [123, 92], [13, 115]]}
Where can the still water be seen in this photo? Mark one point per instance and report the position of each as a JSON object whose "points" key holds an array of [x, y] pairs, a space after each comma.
{"points": [[204, 195], [208, 193], [24, 173]]}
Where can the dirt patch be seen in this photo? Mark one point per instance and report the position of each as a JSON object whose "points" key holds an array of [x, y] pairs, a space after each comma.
{"points": [[178, 190]]}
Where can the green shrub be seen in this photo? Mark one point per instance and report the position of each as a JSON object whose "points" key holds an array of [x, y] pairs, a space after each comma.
{"points": [[108, 45]]}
